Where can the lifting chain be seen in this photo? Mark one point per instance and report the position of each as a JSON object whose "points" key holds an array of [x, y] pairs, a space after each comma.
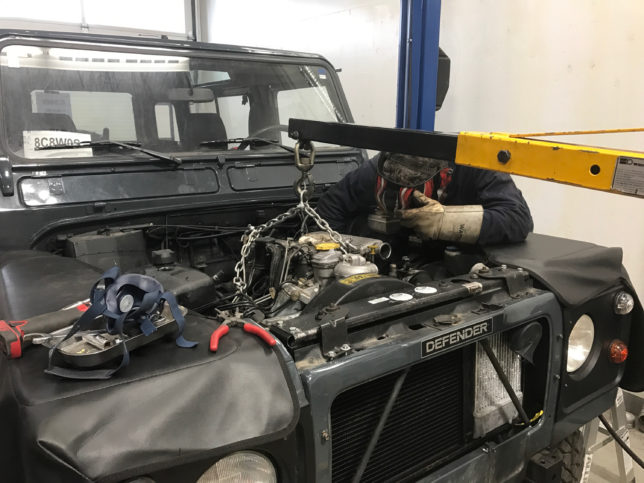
{"points": [[303, 187]]}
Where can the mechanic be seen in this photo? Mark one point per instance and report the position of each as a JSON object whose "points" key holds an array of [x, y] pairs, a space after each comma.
{"points": [[458, 204]]}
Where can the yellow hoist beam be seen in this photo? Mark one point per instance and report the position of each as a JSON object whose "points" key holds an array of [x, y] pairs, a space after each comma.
{"points": [[602, 169]]}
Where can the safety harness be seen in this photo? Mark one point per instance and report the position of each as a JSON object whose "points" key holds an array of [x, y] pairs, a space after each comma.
{"points": [[124, 301]]}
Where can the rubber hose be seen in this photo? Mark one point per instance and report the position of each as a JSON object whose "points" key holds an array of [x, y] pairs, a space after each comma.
{"points": [[620, 441]]}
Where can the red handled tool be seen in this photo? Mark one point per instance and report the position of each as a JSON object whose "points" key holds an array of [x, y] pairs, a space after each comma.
{"points": [[248, 327], [13, 332], [11, 335]]}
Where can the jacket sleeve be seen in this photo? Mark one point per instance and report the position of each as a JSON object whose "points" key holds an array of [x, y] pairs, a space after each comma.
{"points": [[352, 195], [506, 216]]}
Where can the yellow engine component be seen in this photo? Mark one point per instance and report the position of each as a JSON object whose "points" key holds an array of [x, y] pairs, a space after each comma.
{"points": [[325, 246]]}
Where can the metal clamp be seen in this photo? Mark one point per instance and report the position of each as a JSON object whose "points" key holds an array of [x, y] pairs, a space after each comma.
{"points": [[517, 281], [334, 333], [304, 163], [304, 186]]}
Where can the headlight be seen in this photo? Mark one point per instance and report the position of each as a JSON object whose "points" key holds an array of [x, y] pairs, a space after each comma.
{"points": [[580, 342], [243, 466]]}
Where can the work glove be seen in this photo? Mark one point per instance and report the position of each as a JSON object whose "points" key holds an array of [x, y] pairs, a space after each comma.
{"points": [[433, 221]]}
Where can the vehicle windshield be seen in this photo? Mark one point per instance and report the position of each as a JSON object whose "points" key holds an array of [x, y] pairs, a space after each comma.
{"points": [[169, 103]]}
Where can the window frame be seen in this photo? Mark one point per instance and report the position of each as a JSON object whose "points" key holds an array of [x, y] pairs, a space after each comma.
{"points": [[153, 47]]}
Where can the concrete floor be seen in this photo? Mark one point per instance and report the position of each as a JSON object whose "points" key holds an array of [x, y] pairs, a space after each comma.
{"points": [[604, 465]]}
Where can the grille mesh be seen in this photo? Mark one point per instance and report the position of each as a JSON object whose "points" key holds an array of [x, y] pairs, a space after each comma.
{"points": [[425, 424], [489, 390], [493, 406]]}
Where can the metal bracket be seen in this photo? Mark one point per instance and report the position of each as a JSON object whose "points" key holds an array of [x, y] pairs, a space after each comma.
{"points": [[6, 177], [517, 280], [448, 319], [403, 141], [304, 162], [334, 336], [544, 466]]}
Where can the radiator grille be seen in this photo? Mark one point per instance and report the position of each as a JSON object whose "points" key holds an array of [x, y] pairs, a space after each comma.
{"points": [[493, 406], [425, 424]]}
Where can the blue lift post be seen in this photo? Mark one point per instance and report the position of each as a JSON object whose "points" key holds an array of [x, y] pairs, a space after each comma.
{"points": [[418, 64]]}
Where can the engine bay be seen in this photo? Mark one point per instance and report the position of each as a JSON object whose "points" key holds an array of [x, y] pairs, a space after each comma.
{"points": [[293, 271]]}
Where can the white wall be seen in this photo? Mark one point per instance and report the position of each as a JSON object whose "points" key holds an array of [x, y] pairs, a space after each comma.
{"points": [[148, 18], [516, 66], [358, 36], [544, 65]]}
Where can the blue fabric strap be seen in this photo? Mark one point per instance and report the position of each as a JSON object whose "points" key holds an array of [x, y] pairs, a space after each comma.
{"points": [[178, 317], [150, 303]]}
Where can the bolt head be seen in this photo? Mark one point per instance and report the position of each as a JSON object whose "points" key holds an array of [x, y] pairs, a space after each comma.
{"points": [[503, 156]]}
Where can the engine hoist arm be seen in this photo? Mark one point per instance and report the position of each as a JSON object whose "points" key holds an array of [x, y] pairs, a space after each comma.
{"points": [[603, 169]]}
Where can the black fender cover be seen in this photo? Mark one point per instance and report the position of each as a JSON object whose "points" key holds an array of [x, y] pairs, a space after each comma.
{"points": [[170, 406], [576, 272]]}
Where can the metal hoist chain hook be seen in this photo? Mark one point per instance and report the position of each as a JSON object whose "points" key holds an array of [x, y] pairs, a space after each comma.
{"points": [[304, 161], [304, 188]]}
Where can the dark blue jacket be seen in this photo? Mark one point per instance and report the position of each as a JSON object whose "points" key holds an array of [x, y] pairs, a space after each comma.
{"points": [[506, 216]]}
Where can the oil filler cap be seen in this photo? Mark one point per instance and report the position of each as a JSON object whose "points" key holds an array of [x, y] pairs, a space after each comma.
{"points": [[401, 297]]}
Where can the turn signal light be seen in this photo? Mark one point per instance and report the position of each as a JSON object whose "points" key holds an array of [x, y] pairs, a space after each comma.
{"points": [[617, 351]]}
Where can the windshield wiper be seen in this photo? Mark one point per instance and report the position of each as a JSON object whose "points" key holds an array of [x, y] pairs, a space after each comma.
{"points": [[107, 144], [245, 142]]}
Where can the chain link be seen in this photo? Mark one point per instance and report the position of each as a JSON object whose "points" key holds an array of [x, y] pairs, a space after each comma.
{"points": [[303, 188], [324, 225], [249, 237]]}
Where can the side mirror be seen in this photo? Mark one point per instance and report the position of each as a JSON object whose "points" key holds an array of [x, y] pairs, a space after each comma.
{"points": [[442, 79], [192, 94]]}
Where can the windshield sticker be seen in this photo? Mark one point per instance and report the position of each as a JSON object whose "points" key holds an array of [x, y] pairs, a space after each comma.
{"points": [[35, 141], [378, 300], [51, 102], [629, 175]]}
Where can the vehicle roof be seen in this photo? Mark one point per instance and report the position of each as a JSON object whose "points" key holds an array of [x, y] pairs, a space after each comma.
{"points": [[152, 42]]}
